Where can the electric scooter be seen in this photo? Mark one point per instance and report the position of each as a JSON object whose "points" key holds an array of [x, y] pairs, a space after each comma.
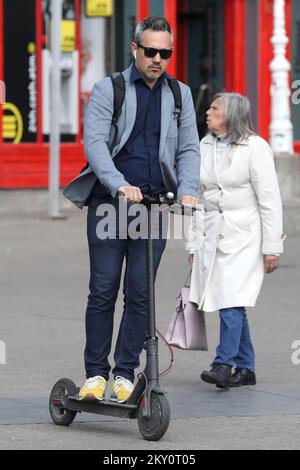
{"points": [[147, 402]]}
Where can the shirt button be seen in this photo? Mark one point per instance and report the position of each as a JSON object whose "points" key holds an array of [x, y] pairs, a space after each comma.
{"points": [[221, 211], [221, 236], [220, 187]]}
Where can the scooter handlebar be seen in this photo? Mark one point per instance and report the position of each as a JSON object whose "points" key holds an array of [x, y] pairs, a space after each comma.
{"points": [[163, 198], [168, 199]]}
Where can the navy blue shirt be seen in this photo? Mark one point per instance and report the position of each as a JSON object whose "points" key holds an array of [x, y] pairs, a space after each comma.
{"points": [[138, 159]]}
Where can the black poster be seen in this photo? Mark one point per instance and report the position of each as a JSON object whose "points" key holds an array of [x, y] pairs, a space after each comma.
{"points": [[20, 70]]}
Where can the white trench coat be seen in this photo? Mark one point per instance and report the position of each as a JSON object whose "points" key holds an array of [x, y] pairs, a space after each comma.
{"points": [[241, 221]]}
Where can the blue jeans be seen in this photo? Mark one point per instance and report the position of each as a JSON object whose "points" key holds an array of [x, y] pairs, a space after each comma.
{"points": [[235, 348], [106, 260]]}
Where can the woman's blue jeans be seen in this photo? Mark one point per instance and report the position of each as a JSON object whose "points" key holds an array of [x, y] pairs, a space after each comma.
{"points": [[235, 348]]}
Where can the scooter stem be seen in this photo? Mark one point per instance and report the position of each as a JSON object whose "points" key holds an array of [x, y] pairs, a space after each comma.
{"points": [[150, 274]]}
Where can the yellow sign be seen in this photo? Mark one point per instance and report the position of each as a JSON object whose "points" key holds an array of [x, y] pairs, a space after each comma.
{"points": [[12, 123], [68, 35], [94, 8], [31, 48]]}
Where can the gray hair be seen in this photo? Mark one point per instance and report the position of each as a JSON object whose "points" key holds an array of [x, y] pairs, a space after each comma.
{"points": [[155, 23], [237, 116]]}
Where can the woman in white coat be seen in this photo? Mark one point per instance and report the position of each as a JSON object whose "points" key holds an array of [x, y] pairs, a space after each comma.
{"points": [[240, 234]]}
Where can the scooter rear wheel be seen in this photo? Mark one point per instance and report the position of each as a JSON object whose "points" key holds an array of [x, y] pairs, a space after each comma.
{"points": [[153, 428], [60, 391]]}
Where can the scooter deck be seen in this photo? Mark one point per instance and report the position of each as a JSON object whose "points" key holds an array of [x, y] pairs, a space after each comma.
{"points": [[101, 407]]}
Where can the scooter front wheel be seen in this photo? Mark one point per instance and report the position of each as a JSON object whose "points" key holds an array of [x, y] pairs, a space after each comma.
{"points": [[61, 390], [153, 428]]}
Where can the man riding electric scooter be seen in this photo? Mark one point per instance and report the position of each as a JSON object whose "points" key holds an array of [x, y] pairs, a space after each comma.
{"points": [[140, 138]]}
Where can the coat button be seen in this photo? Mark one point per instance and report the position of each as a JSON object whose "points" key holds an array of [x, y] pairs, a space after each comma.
{"points": [[221, 236], [221, 211], [220, 187]]}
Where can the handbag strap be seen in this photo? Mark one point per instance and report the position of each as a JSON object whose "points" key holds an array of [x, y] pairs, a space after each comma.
{"points": [[188, 279]]}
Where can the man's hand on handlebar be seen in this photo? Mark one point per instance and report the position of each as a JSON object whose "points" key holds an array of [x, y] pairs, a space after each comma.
{"points": [[131, 193]]}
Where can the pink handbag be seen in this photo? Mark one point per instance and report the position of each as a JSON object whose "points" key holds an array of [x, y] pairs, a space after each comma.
{"points": [[187, 328]]}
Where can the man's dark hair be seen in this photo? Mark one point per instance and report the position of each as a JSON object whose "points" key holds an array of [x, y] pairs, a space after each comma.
{"points": [[155, 23]]}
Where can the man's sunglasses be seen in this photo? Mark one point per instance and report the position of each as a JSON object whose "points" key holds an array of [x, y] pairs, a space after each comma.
{"points": [[150, 52]]}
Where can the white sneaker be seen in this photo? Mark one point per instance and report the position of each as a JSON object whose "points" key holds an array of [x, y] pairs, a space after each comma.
{"points": [[121, 389]]}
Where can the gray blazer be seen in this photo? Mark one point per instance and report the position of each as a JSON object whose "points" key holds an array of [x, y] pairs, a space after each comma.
{"points": [[176, 144]]}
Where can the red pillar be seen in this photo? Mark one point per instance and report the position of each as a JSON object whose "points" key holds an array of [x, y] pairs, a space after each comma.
{"points": [[143, 9], [79, 49], [266, 54], [182, 51], [39, 38], [235, 46], [288, 25], [171, 15]]}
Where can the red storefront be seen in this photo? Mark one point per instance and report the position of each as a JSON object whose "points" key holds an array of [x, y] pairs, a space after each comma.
{"points": [[236, 43], [24, 159]]}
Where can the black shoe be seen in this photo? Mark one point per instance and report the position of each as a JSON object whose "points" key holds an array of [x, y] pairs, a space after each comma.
{"points": [[219, 375], [242, 377]]}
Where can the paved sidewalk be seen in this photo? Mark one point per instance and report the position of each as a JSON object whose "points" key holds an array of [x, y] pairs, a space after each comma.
{"points": [[43, 289], [279, 432]]}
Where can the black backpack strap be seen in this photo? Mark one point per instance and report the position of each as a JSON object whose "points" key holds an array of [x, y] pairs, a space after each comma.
{"points": [[118, 83], [175, 88], [119, 90]]}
